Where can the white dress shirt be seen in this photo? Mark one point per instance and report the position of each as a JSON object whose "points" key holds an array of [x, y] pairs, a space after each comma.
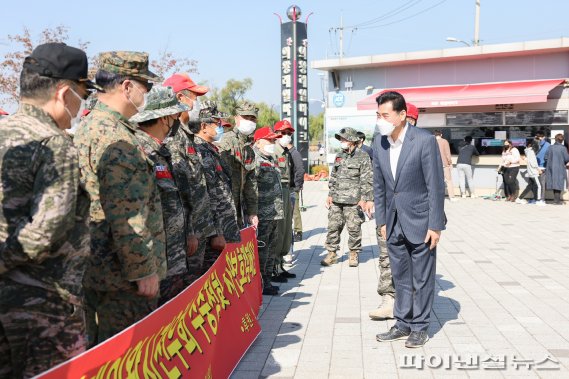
{"points": [[395, 149]]}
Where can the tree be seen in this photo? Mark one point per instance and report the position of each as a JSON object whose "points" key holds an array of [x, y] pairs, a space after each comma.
{"points": [[268, 116], [23, 45], [316, 127], [231, 96]]}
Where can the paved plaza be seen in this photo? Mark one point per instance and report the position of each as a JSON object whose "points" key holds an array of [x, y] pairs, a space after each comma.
{"points": [[501, 305]]}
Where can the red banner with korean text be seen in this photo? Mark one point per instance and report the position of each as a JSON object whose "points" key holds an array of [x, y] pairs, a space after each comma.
{"points": [[201, 333]]}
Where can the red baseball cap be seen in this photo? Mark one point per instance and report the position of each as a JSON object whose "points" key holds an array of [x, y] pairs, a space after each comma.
{"points": [[265, 133], [283, 125], [412, 111], [3, 112], [180, 82]]}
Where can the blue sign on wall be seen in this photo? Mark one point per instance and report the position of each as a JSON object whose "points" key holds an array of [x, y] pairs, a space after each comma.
{"points": [[339, 99]]}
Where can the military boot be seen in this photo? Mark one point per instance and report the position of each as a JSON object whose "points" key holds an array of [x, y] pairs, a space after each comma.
{"points": [[353, 259], [385, 310], [330, 259]]}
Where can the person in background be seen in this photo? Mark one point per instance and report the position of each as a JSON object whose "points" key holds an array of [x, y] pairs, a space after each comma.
{"points": [[363, 146], [412, 114], [444, 149], [270, 204], [556, 171], [533, 176], [540, 154], [464, 166], [510, 167]]}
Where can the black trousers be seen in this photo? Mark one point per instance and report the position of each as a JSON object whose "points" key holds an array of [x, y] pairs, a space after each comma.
{"points": [[413, 268], [511, 187]]}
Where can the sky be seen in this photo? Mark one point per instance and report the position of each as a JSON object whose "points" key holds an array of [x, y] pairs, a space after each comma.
{"points": [[239, 39]]}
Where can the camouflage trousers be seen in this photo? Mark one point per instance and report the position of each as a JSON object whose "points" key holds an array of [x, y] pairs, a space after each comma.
{"points": [[296, 218], [172, 285], [385, 283], [109, 313], [344, 214], [196, 262], [267, 238], [284, 226], [38, 330]]}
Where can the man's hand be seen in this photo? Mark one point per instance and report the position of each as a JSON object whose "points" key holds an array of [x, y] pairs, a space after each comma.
{"points": [[254, 220], [368, 208], [328, 202], [383, 232], [192, 245], [434, 236], [217, 243], [149, 286]]}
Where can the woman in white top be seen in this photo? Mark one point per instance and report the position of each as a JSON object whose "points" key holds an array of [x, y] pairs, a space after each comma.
{"points": [[511, 167]]}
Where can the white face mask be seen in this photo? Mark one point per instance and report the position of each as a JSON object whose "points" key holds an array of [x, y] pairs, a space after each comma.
{"points": [[74, 121], [345, 145], [194, 114], [140, 107], [246, 127], [285, 140], [269, 149], [384, 127]]}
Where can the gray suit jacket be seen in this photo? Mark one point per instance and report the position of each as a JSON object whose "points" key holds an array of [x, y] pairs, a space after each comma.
{"points": [[417, 192]]}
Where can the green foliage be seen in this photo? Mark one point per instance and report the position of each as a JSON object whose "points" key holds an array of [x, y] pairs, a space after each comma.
{"points": [[316, 127], [229, 97], [268, 116]]}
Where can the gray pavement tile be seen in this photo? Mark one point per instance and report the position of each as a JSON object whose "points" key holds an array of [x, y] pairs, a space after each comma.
{"points": [[560, 353]]}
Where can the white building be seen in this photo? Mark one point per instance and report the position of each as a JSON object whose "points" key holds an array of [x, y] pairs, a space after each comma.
{"points": [[490, 92]]}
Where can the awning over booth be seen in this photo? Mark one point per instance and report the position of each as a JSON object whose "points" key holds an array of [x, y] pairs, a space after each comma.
{"points": [[534, 91]]}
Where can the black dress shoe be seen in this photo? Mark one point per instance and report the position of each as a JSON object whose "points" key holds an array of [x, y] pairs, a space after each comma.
{"points": [[297, 236], [394, 334], [416, 339], [286, 274], [271, 291], [278, 279]]}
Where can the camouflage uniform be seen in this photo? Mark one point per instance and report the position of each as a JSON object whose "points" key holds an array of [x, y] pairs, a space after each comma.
{"points": [[284, 226], [270, 212], [238, 155], [161, 102], [45, 242], [127, 232], [350, 182], [189, 173], [218, 178]]}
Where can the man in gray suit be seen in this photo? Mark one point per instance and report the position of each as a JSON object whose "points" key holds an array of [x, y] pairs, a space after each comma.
{"points": [[409, 191]]}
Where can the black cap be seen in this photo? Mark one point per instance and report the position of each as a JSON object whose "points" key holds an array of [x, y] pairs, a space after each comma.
{"points": [[59, 61]]}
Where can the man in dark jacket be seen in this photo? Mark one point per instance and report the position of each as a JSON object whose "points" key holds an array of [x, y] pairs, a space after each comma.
{"points": [[464, 166], [556, 171]]}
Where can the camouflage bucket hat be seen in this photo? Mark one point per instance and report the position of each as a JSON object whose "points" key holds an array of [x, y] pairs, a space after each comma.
{"points": [[247, 109], [209, 111], [162, 101], [127, 63], [349, 134]]}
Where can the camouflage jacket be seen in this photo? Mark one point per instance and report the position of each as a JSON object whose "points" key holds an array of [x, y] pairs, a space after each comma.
{"points": [[271, 206], [44, 229], [171, 199], [283, 158], [188, 170], [127, 232], [351, 179], [238, 154], [218, 178]]}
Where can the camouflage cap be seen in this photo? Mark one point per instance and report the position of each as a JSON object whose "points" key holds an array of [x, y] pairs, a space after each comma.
{"points": [[128, 63], [349, 134], [247, 109], [209, 110], [162, 101]]}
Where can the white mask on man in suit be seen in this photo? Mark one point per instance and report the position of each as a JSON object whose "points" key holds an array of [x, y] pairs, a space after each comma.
{"points": [[384, 127]]}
